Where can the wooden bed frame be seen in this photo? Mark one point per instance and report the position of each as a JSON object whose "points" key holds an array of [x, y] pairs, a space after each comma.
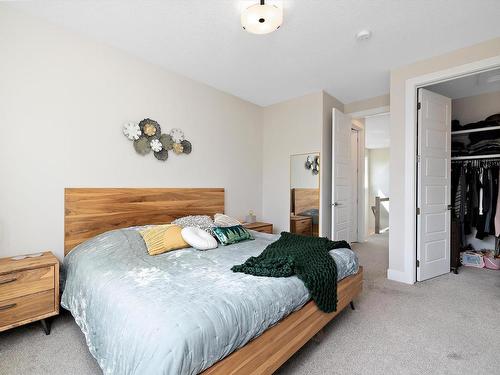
{"points": [[91, 211]]}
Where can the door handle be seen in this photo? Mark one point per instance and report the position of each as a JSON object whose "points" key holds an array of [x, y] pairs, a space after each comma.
{"points": [[450, 207], [335, 204]]}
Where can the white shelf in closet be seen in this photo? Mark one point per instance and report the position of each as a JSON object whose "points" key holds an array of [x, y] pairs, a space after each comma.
{"points": [[488, 128], [492, 156]]}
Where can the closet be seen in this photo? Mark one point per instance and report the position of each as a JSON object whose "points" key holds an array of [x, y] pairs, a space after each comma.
{"points": [[458, 215]]}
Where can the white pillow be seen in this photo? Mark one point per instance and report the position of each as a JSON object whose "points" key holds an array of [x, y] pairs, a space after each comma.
{"points": [[198, 238], [222, 220]]}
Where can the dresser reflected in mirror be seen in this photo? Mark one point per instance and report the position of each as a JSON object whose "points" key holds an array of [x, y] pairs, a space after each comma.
{"points": [[304, 193]]}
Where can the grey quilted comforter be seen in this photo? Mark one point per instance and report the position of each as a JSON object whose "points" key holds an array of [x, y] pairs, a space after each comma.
{"points": [[175, 313]]}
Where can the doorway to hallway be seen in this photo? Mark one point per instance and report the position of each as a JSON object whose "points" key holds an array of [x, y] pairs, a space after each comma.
{"points": [[377, 155]]}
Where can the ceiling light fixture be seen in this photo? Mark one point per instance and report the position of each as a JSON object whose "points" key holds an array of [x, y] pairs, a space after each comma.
{"points": [[262, 18], [363, 35]]}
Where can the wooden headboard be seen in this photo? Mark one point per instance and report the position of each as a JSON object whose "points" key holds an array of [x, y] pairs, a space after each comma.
{"points": [[304, 199], [92, 211]]}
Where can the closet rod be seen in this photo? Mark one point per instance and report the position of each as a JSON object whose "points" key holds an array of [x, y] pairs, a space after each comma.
{"points": [[485, 129], [492, 156]]}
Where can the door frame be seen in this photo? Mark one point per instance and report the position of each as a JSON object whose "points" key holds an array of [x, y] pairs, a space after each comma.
{"points": [[360, 128], [419, 191], [409, 275], [355, 197]]}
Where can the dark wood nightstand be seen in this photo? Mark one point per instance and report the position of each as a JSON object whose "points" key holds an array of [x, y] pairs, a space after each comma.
{"points": [[260, 227], [29, 290]]}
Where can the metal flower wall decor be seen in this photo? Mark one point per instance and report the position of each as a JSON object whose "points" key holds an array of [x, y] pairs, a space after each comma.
{"points": [[312, 163], [147, 137]]}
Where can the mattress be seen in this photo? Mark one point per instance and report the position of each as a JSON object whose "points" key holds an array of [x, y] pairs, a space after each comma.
{"points": [[178, 312]]}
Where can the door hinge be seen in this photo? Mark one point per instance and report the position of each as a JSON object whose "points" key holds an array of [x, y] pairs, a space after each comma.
{"points": [[418, 211], [419, 106], [418, 158], [418, 263]]}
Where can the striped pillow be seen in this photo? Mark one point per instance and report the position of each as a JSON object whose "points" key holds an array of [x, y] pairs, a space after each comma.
{"points": [[222, 220], [162, 238]]}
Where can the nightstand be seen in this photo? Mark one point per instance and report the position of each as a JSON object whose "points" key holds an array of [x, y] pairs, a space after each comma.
{"points": [[301, 225], [260, 227], [29, 291]]}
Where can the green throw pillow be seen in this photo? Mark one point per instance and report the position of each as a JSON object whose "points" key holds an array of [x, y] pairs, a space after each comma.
{"points": [[230, 235]]}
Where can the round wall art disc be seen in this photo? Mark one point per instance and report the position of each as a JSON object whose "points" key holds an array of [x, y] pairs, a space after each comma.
{"points": [[150, 128], [142, 146], [178, 148], [161, 155], [167, 141], [156, 145], [177, 135], [132, 130], [186, 147]]}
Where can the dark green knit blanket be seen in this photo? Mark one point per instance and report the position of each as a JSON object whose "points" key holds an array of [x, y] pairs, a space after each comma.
{"points": [[304, 256]]}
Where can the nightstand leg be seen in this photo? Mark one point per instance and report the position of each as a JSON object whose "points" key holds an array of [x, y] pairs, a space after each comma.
{"points": [[352, 305], [46, 326]]}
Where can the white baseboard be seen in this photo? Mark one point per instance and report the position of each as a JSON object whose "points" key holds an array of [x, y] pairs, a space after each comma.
{"points": [[399, 276]]}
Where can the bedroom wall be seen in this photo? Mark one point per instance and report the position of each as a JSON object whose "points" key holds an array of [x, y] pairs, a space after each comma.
{"points": [[63, 100], [291, 127], [475, 108], [296, 126], [397, 251], [366, 105]]}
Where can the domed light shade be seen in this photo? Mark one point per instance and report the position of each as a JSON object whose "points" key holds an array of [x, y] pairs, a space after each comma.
{"points": [[262, 18]]}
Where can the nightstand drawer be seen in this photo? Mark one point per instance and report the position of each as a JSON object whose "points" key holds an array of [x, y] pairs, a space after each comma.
{"points": [[22, 308], [303, 227], [260, 227], [265, 229], [22, 283]]}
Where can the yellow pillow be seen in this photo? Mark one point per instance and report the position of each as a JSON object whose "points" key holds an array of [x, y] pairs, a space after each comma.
{"points": [[162, 238]]}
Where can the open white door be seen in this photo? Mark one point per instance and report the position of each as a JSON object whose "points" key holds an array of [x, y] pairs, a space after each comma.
{"points": [[341, 176], [434, 183], [354, 190]]}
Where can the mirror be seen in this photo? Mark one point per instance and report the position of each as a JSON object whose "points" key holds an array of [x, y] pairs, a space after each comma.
{"points": [[304, 193]]}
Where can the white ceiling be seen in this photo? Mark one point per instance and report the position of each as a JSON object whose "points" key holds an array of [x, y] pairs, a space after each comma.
{"points": [[472, 85], [314, 49], [377, 131]]}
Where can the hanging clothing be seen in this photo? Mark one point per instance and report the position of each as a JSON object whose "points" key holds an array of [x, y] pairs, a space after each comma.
{"points": [[475, 197], [460, 203], [486, 222], [489, 201], [475, 187], [497, 214], [494, 200], [460, 196], [484, 200]]}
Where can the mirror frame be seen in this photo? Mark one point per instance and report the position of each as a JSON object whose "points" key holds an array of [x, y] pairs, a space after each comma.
{"points": [[290, 184]]}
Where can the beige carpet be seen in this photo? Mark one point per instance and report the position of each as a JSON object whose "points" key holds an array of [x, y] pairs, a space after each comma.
{"points": [[448, 325]]}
